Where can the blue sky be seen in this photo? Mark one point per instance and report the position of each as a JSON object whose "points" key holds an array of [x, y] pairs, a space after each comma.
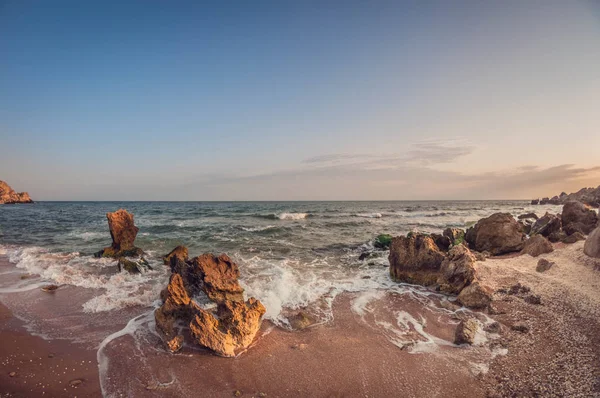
{"points": [[156, 100]]}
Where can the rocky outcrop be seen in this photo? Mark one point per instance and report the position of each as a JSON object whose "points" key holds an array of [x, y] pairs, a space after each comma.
{"points": [[457, 270], [123, 232], [587, 196], [498, 234], [226, 329], [466, 331], [577, 217], [592, 244], [537, 245], [415, 259], [546, 225], [8, 196]]}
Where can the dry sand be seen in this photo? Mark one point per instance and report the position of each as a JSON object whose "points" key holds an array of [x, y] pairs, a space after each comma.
{"points": [[555, 350]]}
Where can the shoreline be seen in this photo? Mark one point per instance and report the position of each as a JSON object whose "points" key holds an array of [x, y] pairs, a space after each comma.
{"points": [[558, 355]]}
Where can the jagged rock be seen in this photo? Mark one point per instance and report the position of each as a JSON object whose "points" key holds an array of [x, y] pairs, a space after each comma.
{"points": [[475, 295], [228, 328], [457, 270], [577, 217], [546, 225], [574, 237], [234, 327], [218, 276], [180, 252], [8, 196], [415, 259], [123, 233], [544, 265], [499, 233], [466, 331], [537, 245], [535, 201], [592, 244], [528, 216]]}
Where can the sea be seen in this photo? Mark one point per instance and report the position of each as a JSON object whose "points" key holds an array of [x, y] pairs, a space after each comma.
{"points": [[292, 256]]}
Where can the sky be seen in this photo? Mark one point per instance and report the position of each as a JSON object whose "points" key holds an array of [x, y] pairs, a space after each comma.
{"points": [[299, 100]]}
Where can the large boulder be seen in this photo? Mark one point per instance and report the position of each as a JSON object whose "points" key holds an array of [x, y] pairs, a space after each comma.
{"points": [[457, 270], [546, 225], [591, 246], [226, 328], [577, 217], [498, 234], [9, 196], [123, 232], [537, 245], [415, 259]]}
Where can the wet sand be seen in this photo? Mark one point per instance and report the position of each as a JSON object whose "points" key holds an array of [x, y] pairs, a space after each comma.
{"points": [[43, 368], [553, 347]]}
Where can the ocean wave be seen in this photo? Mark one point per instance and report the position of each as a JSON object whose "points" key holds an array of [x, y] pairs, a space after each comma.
{"points": [[120, 289], [259, 228], [284, 216], [368, 215]]}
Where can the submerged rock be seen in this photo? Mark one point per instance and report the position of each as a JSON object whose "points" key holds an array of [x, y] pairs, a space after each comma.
{"points": [[133, 267], [577, 217], [466, 331], [592, 244], [229, 327], [301, 320], [415, 259], [8, 196], [537, 245], [123, 233], [499, 233], [457, 270], [383, 241], [528, 216]]}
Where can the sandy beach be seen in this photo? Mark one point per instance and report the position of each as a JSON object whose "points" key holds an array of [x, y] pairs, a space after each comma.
{"points": [[546, 349]]}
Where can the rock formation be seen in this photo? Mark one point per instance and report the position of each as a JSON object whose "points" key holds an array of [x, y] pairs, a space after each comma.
{"points": [[226, 329], [587, 196], [546, 225], [537, 245], [180, 252], [8, 196], [577, 217], [415, 259], [498, 234], [123, 233], [592, 244], [457, 270]]}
